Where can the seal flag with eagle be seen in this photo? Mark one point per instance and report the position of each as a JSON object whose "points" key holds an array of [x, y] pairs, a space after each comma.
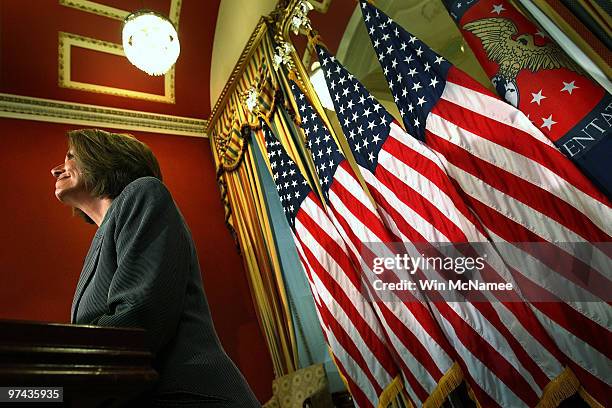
{"points": [[514, 53], [535, 75]]}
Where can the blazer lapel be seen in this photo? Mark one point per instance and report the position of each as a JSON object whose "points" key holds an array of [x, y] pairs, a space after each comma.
{"points": [[86, 274]]}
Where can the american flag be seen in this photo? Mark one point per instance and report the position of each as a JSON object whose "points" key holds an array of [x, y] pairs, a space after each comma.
{"points": [[419, 204], [522, 189], [424, 354], [534, 74], [349, 324]]}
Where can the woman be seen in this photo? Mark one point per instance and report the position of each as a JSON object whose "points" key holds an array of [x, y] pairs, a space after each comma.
{"points": [[142, 269]]}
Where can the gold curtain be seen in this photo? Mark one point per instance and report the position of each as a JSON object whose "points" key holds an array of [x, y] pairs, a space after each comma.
{"points": [[246, 213], [231, 127], [244, 203]]}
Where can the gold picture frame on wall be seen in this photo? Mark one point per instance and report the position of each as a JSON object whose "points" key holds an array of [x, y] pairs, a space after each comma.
{"points": [[96, 8], [69, 40]]}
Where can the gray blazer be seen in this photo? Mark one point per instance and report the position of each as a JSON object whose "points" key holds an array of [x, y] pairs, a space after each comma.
{"points": [[142, 271]]}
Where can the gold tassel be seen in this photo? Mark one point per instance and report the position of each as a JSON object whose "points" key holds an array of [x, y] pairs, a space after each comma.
{"points": [[293, 76], [406, 402], [558, 389], [449, 381], [265, 119], [473, 396], [391, 392], [298, 117], [588, 398], [315, 39]]}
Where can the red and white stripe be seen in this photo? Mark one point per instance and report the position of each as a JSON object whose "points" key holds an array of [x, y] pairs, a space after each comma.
{"points": [[509, 363], [524, 190], [347, 318], [424, 353]]}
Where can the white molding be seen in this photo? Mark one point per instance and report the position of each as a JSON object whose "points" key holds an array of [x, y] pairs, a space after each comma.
{"points": [[96, 8], [100, 9], [67, 40], [55, 111]]}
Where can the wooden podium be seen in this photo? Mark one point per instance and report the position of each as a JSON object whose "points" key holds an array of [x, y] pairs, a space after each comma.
{"points": [[96, 366]]}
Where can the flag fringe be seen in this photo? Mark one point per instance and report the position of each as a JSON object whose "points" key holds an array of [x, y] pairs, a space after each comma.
{"points": [[558, 389], [588, 398], [473, 396], [449, 381], [391, 392], [340, 374]]}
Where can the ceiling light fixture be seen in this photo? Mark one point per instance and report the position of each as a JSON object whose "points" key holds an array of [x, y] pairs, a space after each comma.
{"points": [[150, 42]]}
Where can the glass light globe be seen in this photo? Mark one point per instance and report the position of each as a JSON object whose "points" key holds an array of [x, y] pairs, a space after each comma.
{"points": [[150, 42]]}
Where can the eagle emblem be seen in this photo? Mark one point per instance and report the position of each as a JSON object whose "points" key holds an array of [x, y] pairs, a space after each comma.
{"points": [[514, 54]]}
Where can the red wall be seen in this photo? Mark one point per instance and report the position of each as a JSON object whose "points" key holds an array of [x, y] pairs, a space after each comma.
{"points": [[42, 245]]}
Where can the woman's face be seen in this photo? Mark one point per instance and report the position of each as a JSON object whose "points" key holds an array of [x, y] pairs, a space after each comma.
{"points": [[69, 184]]}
